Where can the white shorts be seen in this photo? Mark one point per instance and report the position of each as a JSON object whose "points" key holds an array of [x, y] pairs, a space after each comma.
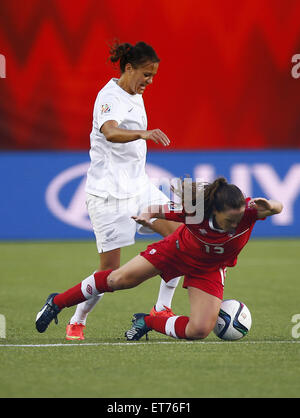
{"points": [[111, 217]]}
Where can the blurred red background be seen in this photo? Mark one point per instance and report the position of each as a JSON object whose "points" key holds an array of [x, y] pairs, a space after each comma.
{"points": [[224, 80]]}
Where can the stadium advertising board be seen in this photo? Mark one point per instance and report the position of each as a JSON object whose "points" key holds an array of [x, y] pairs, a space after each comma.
{"points": [[43, 193]]}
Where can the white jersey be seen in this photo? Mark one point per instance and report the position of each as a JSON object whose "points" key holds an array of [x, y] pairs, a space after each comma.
{"points": [[117, 169]]}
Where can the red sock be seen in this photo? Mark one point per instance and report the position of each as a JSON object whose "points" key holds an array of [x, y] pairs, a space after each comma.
{"points": [[173, 326], [69, 298], [101, 281], [75, 295]]}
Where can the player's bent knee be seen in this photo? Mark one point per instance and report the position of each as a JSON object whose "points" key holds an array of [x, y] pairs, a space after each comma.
{"points": [[115, 280], [198, 332], [118, 280], [201, 334]]}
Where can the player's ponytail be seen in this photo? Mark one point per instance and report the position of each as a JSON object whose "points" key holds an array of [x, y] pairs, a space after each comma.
{"points": [[220, 195], [136, 55]]}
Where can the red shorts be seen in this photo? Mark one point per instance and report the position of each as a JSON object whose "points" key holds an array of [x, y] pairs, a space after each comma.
{"points": [[165, 257]]}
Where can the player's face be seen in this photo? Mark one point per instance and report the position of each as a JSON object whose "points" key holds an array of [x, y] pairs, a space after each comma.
{"points": [[229, 219], [139, 78]]}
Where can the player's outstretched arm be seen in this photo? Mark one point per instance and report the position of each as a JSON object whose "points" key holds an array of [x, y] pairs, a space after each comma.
{"points": [[154, 211], [266, 207]]}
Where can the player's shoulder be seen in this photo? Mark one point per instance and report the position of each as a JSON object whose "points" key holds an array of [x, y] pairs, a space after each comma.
{"points": [[108, 98], [110, 88]]}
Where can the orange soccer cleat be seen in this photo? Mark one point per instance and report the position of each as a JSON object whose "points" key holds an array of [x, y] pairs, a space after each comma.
{"points": [[75, 332], [165, 313]]}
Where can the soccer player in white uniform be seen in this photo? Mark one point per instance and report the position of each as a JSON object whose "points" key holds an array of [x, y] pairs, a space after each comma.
{"points": [[117, 185]]}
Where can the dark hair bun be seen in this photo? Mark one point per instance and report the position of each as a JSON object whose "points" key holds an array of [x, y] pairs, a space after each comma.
{"points": [[135, 55]]}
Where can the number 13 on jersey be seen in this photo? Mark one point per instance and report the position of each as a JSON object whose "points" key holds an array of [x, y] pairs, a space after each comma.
{"points": [[214, 249]]}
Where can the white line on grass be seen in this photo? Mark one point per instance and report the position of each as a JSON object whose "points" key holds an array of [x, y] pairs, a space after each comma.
{"points": [[131, 344]]}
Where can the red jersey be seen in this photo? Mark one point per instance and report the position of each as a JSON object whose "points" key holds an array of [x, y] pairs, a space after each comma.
{"points": [[207, 248]]}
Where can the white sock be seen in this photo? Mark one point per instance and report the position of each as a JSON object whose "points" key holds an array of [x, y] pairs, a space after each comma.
{"points": [[84, 308], [166, 293]]}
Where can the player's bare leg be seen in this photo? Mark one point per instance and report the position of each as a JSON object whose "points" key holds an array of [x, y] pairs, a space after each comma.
{"points": [[202, 319], [130, 275], [204, 313], [110, 260]]}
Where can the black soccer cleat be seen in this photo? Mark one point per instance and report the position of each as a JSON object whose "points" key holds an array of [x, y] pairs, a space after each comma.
{"points": [[138, 329], [47, 314]]}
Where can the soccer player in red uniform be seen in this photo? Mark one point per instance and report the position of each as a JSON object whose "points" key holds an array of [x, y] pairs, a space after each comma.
{"points": [[199, 251]]}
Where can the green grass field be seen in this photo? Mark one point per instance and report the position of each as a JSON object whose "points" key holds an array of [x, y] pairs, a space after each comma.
{"points": [[266, 363]]}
